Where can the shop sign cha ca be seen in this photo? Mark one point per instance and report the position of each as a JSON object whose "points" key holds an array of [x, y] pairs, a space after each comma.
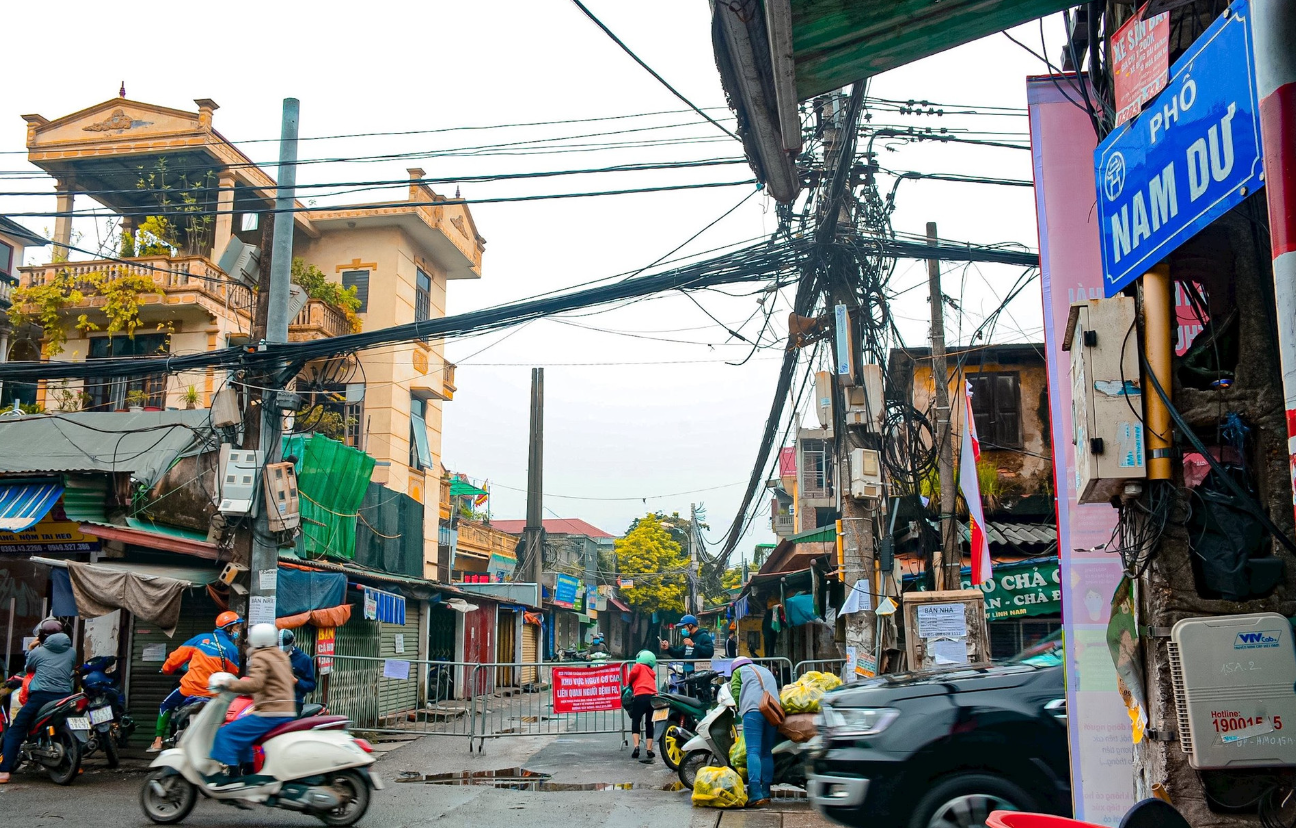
{"points": [[1016, 592], [1191, 156]]}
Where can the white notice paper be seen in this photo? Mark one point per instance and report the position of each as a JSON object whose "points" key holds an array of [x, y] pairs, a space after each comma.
{"points": [[261, 610], [848, 669], [942, 621], [860, 598], [949, 651], [153, 653], [394, 669], [269, 580], [400, 642]]}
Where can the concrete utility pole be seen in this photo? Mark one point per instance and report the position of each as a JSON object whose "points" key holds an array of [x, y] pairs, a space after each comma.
{"points": [[264, 567], [533, 535], [947, 562]]}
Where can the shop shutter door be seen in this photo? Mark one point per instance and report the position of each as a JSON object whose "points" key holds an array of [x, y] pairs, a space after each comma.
{"points": [[148, 686], [398, 695], [530, 651]]}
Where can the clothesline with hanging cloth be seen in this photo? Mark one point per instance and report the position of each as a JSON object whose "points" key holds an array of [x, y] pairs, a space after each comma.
{"points": [[309, 597], [383, 606], [151, 593]]}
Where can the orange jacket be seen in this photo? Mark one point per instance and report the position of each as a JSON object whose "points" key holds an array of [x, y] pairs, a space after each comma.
{"points": [[205, 654]]}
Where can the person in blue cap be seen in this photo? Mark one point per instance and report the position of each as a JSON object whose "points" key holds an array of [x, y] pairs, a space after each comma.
{"points": [[697, 643]]}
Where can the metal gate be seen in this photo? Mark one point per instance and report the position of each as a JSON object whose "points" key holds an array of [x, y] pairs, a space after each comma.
{"points": [[506, 649], [149, 648], [530, 653]]}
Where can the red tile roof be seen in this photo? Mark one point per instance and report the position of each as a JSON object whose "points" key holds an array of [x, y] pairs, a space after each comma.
{"points": [[555, 526]]}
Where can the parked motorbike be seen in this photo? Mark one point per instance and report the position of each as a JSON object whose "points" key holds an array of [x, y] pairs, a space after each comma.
{"points": [[717, 734], [54, 740], [110, 727], [310, 765], [676, 714]]}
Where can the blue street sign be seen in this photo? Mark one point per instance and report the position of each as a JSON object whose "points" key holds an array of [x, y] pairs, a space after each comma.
{"points": [[565, 589], [1188, 158]]}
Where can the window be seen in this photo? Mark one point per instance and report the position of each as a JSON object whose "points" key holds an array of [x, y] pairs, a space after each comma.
{"points": [[996, 407], [422, 296], [147, 390], [6, 259], [420, 456], [360, 279], [251, 221], [816, 468], [347, 421]]}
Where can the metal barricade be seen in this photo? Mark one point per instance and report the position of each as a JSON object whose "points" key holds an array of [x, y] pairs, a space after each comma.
{"points": [[822, 665], [396, 695], [498, 712]]}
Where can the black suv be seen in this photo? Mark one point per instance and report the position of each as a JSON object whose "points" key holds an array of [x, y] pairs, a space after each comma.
{"points": [[942, 748]]}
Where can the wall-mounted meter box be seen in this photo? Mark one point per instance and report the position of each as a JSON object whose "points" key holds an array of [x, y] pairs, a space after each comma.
{"points": [[239, 472], [1106, 397], [866, 474], [1233, 677], [282, 510]]}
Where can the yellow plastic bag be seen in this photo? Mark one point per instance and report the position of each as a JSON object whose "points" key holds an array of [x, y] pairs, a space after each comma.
{"points": [[719, 788], [801, 696], [738, 754]]}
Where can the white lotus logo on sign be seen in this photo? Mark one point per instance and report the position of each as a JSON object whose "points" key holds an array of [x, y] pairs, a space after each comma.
{"points": [[1114, 176]]}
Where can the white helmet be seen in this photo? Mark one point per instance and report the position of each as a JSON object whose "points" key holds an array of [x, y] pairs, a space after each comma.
{"points": [[216, 681], [262, 636]]}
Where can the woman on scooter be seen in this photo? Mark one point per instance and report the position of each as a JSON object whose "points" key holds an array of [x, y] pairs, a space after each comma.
{"points": [[269, 681], [643, 684], [50, 664], [749, 684]]}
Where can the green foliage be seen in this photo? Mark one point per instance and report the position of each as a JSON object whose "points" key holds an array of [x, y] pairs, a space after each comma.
{"points": [[65, 399], [43, 305], [317, 286], [649, 550], [185, 221], [732, 578], [332, 425]]}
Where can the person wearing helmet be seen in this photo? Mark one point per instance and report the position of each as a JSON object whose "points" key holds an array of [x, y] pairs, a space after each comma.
{"points": [[50, 665], [202, 655], [269, 681], [598, 645], [697, 643], [642, 681], [303, 667]]}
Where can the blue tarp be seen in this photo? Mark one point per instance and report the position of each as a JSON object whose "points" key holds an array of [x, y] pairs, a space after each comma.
{"points": [[64, 603], [301, 591], [800, 610]]}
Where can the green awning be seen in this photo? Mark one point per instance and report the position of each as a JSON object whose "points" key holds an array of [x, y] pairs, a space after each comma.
{"points": [[332, 479], [1021, 590], [824, 534], [837, 42], [459, 488]]}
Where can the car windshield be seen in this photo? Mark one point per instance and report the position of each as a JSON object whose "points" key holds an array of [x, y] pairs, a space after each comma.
{"points": [[1047, 653]]}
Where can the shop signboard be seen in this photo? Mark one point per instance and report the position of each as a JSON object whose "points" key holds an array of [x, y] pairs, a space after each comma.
{"points": [[566, 590], [1192, 155], [1018, 591], [325, 641], [51, 534], [1140, 61]]}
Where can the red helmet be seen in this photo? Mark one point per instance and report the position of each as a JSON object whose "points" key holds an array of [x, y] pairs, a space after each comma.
{"points": [[47, 628], [227, 618]]}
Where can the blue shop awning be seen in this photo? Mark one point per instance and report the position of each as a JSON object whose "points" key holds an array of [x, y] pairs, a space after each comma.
{"points": [[23, 506]]}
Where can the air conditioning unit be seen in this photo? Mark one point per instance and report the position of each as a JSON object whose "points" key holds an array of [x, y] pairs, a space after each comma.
{"points": [[240, 261], [864, 403], [282, 512], [297, 300], [239, 471], [1107, 397], [1233, 677], [866, 474]]}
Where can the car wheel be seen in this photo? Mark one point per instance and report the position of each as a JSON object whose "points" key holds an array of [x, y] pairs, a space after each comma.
{"points": [[966, 799]]}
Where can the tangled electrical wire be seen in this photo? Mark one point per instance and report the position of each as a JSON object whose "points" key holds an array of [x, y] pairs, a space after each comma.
{"points": [[1140, 526]]}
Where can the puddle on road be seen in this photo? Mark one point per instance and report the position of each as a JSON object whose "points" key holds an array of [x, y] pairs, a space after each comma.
{"points": [[515, 779]]}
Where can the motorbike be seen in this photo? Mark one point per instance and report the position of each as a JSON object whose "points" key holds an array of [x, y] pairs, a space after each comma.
{"points": [[110, 727], [717, 734], [310, 765], [54, 740], [677, 713]]}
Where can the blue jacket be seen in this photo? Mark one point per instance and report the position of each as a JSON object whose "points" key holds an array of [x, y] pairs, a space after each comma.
{"points": [[303, 667]]}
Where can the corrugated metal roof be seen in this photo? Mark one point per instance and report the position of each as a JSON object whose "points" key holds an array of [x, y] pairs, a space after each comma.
{"points": [[1014, 535], [22, 506], [84, 499], [554, 526], [143, 444]]}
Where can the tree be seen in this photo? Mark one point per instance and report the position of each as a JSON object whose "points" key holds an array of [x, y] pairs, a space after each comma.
{"points": [[655, 561]]}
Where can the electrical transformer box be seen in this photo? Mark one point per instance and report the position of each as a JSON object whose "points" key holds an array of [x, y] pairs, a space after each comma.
{"points": [[239, 472], [282, 509], [1106, 397], [1233, 677]]}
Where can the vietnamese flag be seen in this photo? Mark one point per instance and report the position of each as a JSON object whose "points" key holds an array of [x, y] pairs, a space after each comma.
{"points": [[971, 489]]}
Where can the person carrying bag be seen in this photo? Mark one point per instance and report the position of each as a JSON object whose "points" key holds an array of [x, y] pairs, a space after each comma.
{"points": [[755, 690]]}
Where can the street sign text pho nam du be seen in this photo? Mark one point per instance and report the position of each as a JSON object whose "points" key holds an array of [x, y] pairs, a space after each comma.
{"points": [[1188, 158]]}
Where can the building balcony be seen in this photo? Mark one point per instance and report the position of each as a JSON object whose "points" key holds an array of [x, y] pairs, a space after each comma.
{"points": [[180, 284], [318, 320], [482, 540], [6, 291], [784, 525]]}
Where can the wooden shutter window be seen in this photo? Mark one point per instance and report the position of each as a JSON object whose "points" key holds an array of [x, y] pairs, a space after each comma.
{"points": [[360, 280]]}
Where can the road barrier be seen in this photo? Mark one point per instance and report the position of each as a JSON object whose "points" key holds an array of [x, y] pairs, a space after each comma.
{"points": [[822, 665]]}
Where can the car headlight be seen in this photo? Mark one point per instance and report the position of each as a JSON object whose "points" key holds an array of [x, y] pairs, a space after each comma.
{"points": [[839, 722]]}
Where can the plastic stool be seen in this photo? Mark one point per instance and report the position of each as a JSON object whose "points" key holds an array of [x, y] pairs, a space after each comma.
{"points": [[1023, 819]]}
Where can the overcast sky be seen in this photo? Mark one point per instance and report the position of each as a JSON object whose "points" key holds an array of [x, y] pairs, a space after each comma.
{"points": [[631, 416]]}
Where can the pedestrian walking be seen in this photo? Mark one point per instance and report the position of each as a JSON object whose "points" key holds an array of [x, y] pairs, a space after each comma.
{"points": [[643, 685], [749, 684]]}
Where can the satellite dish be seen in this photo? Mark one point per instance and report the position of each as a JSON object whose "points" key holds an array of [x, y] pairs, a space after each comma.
{"points": [[240, 261]]}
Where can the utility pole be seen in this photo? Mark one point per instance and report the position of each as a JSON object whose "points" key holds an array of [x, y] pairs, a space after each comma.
{"points": [[264, 567], [533, 535], [694, 604], [947, 562]]}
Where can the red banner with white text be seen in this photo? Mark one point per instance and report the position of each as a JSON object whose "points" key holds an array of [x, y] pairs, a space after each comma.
{"points": [[584, 689]]}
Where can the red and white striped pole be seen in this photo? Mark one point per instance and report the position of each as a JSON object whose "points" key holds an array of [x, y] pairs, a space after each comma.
{"points": [[1273, 29]]}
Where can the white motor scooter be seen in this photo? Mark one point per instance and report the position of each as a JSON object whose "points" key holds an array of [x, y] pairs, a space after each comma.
{"points": [[310, 765], [715, 737]]}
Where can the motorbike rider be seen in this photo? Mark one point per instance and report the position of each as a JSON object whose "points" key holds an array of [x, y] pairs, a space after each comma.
{"points": [[598, 645], [303, 666], [204, 654], [51, 665], [697, 643], [269, 681]]}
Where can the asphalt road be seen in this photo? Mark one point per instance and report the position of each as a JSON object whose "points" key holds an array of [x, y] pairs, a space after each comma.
{"points": [[107, 799]]}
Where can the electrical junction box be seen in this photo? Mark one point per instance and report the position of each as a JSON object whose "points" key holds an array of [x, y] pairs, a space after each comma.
{"points": [[224, 408], [239, 471], [866, 474], [1106, 397], [282, 511], [1233, 677], [864, 403], [823, 398]]}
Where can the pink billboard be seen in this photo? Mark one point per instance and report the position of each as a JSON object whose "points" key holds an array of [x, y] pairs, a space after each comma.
{"points": [[1062, 144]]}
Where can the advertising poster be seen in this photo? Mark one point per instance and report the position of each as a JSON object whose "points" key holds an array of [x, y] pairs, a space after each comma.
{"points": [[1062, 145], [1140, 61], [566, 589], [585, 689], [325, 640]]}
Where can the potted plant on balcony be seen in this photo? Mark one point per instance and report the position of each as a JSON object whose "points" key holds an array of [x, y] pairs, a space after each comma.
{"points": [[190, 398], [135, 400], [317, 286]]}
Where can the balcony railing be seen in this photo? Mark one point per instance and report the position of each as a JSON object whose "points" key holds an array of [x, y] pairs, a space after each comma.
{"points": [[6, 291], [179, 275], [318, 320], [784, 525], [477, 538]]}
